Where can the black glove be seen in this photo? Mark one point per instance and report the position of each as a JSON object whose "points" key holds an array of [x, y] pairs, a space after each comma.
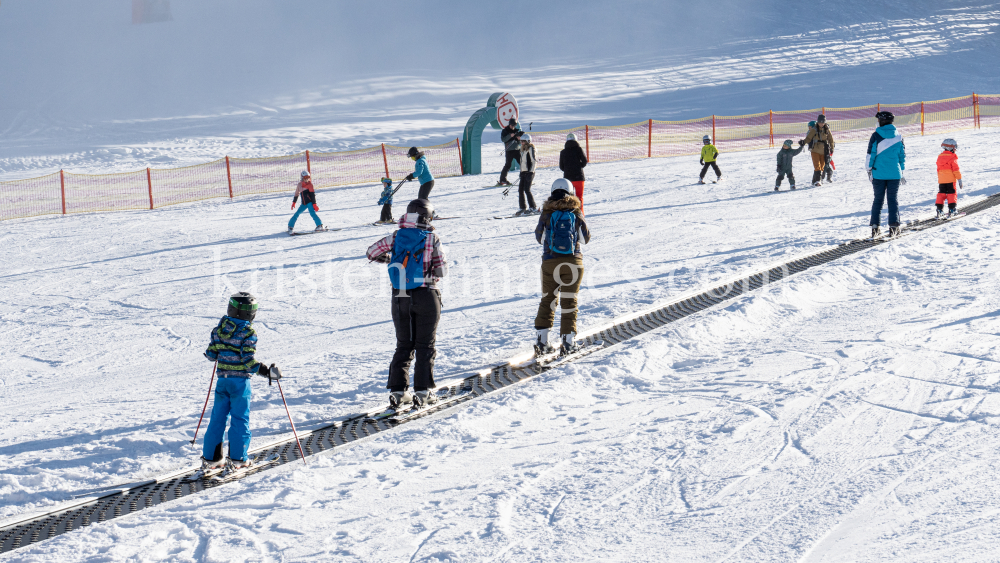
{"points": [[263, 370], [383, 258], [701, 162], [408, 177], [802, 142]]}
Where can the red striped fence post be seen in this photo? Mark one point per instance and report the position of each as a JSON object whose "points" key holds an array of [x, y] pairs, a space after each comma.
{"points": [[149, 182], [229, 177], [308, 163], [385, 161], [713, 129], [461, 165]]}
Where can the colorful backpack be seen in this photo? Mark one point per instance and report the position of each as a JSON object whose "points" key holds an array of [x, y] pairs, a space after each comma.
{"points": [[562, 232], [406, 269]]}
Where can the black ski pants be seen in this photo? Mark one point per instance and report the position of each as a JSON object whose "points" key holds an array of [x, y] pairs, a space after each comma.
{"points": [[415, 317], [704, 169], [781, 176], [512, 157], [524, 190], [386, 212], [425, 190]]}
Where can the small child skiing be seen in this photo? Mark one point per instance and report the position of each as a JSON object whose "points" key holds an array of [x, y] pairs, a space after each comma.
{"points": [[386, 202], [233, 346], [308, 193], [948, 175], [709, 154], [785, 156]]}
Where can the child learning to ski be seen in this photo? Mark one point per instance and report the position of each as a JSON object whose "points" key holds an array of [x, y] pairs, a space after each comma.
{"points": [[233, 346], [785, 156], [708, 156], [386, 202], [528, 162], [308, 193], [417, 263], [560, 229], [421, 172], [948, 175]]}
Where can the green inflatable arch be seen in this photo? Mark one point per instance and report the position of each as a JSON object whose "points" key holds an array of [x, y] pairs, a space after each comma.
{"points": [[472, 137]]}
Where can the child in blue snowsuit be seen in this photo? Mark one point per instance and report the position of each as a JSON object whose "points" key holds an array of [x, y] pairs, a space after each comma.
{"points": [[386, 201], [233, 346]]}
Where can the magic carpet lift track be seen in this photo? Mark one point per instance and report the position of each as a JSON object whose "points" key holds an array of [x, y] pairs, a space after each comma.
{"points": [[136, 497]]}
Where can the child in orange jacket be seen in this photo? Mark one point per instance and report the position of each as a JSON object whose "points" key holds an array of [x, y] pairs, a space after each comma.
{"points": [[948, 175]]}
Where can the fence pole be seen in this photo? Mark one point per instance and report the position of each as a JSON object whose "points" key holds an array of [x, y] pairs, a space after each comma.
{"points": [[921, 118], [649, 153], [385, 161], [62, 188], [586, 133], [713, 128], [461, 165], [770, 124], [229, 177], [975, 110], [309, 167], [149, 182]]}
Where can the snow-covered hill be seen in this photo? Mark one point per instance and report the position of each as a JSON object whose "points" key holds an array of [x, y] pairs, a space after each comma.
{"points": [[844, 415]]}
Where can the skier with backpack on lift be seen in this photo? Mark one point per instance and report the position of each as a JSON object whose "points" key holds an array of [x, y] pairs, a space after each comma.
{"points": [[560, 229], [416, 264]]}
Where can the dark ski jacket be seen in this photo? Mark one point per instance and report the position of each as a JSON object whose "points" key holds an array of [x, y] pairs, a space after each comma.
{"points": [[571, 162], [785, 157], [511, 137], [568, 203]]}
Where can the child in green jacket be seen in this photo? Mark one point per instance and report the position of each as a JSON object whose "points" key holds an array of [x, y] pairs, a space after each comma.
{"points": [[708, 155]]}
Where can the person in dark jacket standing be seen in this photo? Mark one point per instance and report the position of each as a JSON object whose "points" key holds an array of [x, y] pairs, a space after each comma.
{"points": [[785, 156], [511, 139], [416, 264], [560, 229], [528, 162], [421, 172], [572, 159]]}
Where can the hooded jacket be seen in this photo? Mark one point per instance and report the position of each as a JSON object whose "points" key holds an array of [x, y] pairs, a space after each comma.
{"points": [[947, 168], [435, 268], [511, 137], [785, 156], [420, 171], [571, 161], [886, 154], [819, 138], [567, 203], [233, 345], [528, 160]]}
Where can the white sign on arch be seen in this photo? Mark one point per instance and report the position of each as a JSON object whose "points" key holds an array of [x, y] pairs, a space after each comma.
{"points": [[506, 108]]}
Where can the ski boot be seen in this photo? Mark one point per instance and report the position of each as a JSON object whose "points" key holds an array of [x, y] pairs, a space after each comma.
{"points": [[542, 346], [534, 211], [876, 232], [519, 212], [424, 398], [320, 228], [238, 464], [717, 180], [952, 212], [893, 232], [291, 230], [776, 189], [208, 465], [504, 184], [568, 344], [399, 398], [940, 214], [793, 187]]}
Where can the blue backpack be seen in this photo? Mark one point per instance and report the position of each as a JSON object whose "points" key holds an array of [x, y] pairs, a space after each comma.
{"points": [[562, 232], [408, 259]]}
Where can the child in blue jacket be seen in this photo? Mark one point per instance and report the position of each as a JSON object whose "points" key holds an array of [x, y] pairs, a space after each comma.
{"points": [[385, 200], [233, 346]]}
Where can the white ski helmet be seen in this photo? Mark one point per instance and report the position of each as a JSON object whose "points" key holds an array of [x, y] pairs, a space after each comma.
{"points": [[706, 139], [949, 145], [563, 184], [305, 174], [571, 137], [526, 138]]}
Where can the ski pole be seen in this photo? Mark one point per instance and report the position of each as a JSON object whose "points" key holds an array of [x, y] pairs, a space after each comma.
{"points": [[206, 403], [294, 432], [401, 182]]}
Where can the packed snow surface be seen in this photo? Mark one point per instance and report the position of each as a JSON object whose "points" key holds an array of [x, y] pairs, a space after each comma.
{"points": [[847, 414]]}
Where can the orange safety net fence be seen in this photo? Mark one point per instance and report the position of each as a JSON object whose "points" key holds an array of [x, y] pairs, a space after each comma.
{"points": [[64, 192]]}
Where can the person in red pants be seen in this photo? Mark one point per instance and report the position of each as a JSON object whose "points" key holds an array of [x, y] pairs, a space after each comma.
{"points": [[571, 161], [949, 175]]}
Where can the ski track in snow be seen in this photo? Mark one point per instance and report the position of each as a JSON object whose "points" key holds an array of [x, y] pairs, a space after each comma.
{"points": [[429, 110], [846, 414]]}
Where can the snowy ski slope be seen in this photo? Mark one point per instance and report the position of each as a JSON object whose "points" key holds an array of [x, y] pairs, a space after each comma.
{"points": [[847, 414]]}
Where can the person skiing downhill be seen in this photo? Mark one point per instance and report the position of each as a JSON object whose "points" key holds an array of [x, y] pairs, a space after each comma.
{"points": [[385, 200], [510, 136], [785, 156], [885, 163], [421, 172], [948, 175], [560, 229], [308, 193], [709, 154], [572, 160], [233, 345], [528, 162], [417, 263], [821, 143]]}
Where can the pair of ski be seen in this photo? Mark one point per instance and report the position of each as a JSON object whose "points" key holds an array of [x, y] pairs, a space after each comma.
{"points": [[225, 473], [545, 363], [300, 233], [515, 216]]}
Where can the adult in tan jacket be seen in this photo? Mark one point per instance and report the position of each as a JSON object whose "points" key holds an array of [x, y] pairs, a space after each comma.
{"points": [[821, 142]]}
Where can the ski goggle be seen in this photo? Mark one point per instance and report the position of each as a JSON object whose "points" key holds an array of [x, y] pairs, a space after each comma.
{"points": [[243, 306]]}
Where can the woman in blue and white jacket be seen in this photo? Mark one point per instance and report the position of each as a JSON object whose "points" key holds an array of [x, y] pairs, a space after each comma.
{"points": [[885, 163]]}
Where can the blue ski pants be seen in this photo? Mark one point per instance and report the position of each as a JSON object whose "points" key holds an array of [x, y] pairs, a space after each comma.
{"points": [[232, 402], [882, 189], [304, 207]]}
